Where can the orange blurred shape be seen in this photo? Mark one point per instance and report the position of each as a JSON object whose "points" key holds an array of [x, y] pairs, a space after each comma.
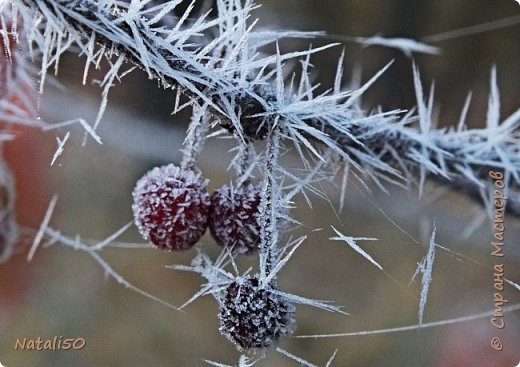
{"points": [[27, 157]]}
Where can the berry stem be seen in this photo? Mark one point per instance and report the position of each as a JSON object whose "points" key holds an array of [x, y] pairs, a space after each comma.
{"points": [[244, 164], [268, 215], [195, 137]]}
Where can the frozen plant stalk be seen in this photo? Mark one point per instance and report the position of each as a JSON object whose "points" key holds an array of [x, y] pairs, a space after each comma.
{"points": [[217, 62]]}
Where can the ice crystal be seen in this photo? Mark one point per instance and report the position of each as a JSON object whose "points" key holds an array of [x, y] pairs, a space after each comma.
{"points": [[425, 267]]}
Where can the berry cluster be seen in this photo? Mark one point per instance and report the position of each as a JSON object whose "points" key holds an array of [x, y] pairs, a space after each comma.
{"points": [[172, 209], [254, 317]]}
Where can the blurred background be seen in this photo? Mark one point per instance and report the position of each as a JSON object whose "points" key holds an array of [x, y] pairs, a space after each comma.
{"points": [[63, 292]]}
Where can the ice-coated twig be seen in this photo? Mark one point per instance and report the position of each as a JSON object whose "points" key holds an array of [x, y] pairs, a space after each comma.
{"points": [[216, 364], [302, 184], [56, 236], [280, 263], [130, 245], [121, 280], [244, 162], [302, 361], [268, 207], [43, 228], [86, 126], [195, 137], [410, 45], [352, 242], [425, 267], [93, 251], [472, 30], [60, 148], [322, 305], [426, 325], [512, 284], [244, 361], [331, 359], [213, 271], [107, 241], [405, 45]]}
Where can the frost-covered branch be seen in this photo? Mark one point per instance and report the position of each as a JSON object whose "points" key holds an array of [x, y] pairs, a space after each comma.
{"points": [[420, 326], [218, 62], [93, 251]]}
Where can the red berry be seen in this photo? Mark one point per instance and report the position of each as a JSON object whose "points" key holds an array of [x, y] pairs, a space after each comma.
{"points": [[171, 207], [254, 317], [234, 218]]}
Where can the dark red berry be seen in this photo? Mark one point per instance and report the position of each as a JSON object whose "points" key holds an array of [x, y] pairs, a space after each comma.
{"points": [[171, 207], [254, 317], [234, 218]]}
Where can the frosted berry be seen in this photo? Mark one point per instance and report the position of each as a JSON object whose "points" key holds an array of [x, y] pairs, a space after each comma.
{"points": [[171, 207], [234, 218], [254, 317]]}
